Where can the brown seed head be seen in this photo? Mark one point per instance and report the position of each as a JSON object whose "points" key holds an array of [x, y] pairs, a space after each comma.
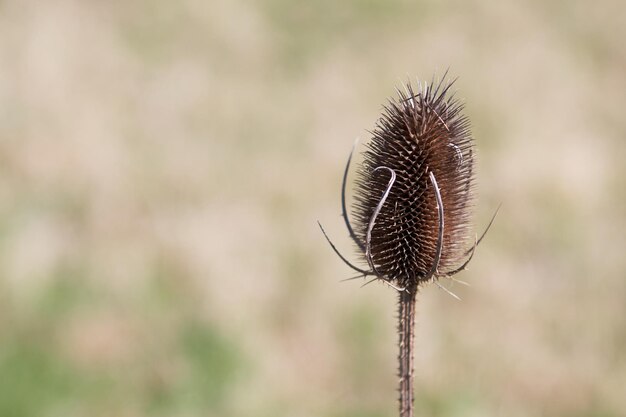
{"points": [[419, 134]]}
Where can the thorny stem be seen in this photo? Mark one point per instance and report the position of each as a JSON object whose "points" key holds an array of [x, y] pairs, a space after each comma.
{"points": [[406, 331]]}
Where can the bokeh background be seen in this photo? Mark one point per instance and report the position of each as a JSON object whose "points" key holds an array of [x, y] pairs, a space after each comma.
{"points": [[163, 165]]}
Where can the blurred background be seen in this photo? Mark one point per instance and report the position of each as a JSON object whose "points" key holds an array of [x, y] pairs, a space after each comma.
{"points": [[163, 165]]}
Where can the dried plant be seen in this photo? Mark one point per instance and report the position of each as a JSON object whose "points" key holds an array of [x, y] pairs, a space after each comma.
{"points": [[413, 198]]}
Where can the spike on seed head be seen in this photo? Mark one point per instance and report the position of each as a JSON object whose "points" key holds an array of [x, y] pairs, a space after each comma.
{"points": [[419, 136]]}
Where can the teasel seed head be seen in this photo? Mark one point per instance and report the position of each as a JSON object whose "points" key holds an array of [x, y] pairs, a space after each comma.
{"points": [[414, 188]]}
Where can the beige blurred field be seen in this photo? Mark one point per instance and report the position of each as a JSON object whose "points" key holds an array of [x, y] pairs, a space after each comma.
{"points": [[163, 165]]}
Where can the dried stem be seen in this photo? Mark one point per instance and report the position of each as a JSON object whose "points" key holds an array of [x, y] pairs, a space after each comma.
{"points": [[406, 331]]}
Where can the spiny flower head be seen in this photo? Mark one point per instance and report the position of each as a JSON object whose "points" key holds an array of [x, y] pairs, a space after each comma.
{"points": [[414, 187]]}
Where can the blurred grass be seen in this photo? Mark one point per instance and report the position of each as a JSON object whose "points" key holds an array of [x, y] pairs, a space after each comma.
{"points": [[189, 370], [162, 165]]}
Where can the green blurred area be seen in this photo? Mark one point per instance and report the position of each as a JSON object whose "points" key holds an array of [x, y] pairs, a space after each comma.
{"points": [[163, 165]]}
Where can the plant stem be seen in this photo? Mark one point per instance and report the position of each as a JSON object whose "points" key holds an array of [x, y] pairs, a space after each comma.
{"points": [[406, 326]]}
